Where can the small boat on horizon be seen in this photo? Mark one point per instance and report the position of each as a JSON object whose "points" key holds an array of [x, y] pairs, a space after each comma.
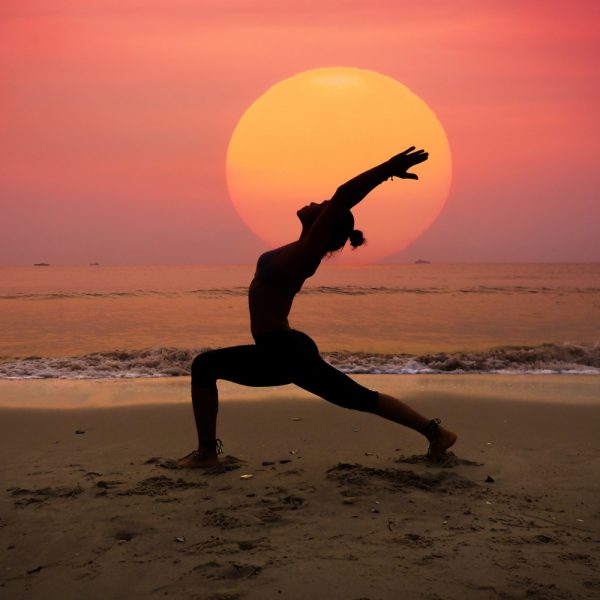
{"points": [[41, 264], [420, 261], [95, 264]]}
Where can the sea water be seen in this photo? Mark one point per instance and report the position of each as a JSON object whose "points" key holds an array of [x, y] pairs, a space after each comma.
{"points": [[114, 322]]}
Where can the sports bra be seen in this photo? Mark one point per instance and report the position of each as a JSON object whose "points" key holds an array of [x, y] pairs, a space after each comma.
{"points": [[271, 276]]}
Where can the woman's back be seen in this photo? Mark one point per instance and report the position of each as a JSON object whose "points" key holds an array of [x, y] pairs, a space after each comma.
{"points": [[273, 288]]}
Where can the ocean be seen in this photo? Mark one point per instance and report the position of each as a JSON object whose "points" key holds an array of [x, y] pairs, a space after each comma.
{"points": [[94, 322]]}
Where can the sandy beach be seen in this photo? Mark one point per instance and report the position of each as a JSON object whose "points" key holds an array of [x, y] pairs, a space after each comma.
{"points": [[311, 501]]}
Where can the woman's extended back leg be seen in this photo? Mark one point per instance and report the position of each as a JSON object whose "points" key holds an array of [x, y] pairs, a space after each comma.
{"points": [[326, 381]]}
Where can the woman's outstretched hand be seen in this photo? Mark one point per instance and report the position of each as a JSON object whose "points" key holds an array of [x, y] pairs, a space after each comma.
{"points": [[400, 163]]}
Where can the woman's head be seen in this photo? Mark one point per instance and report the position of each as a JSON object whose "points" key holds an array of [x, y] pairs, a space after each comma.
{"points": [[341, 232]]}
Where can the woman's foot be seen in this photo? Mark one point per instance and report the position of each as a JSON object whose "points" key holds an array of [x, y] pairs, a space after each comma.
{"points": [[440, 439], [207, 455], [198, 459]]}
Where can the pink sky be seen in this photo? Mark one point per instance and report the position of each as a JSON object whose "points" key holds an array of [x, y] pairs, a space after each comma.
{"points": [[115, 117]]}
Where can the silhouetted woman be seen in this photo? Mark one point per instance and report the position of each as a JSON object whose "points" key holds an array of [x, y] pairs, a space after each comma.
{"points": [[283, 355]]}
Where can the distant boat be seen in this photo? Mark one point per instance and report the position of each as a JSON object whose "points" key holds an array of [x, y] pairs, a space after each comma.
{"points": [[96, 264], [41, 264], [420, 261]]}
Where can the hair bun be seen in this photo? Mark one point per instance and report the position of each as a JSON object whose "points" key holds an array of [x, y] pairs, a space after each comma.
{"points": [[356, 238]]}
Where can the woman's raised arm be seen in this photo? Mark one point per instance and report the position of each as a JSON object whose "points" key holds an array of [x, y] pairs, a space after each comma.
{"points": [[349, 194], [352, 192]]}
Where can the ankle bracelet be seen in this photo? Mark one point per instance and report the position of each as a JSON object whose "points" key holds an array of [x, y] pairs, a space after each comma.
{"points": [[431, 430], [215, 444]]}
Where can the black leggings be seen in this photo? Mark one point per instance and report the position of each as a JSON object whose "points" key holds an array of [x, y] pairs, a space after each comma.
{"points": [[279, 358]]}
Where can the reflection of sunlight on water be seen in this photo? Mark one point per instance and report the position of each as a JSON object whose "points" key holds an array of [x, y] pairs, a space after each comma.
{"points": [[412, 309]]}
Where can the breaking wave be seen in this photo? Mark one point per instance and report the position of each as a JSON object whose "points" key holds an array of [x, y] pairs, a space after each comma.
{"points": [[172, 362]]}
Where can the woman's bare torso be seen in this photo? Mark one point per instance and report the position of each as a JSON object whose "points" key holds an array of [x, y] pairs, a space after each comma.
{"points": [[276, 282]]}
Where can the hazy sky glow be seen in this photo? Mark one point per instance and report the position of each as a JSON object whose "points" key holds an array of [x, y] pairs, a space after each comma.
{"points": [[115, 116]]}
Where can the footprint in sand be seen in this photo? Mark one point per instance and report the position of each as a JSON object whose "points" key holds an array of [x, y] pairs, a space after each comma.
{"points": [[161, 485], [218, 518], [228, 570], [356, 475], [448, 461], [37, 496], [226, 463]]}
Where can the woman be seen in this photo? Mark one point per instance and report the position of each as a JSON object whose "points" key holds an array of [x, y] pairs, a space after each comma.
{"points": [[283, 355]]}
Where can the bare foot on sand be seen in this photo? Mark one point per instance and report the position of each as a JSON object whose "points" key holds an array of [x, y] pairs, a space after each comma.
{"points": [[440, 442], [198, 459]]}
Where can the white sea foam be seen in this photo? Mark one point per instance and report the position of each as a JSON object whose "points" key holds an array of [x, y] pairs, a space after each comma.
{"points": [[172, 362]]}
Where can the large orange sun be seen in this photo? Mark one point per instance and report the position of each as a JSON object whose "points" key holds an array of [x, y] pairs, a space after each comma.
{"points": [[308, 134]]}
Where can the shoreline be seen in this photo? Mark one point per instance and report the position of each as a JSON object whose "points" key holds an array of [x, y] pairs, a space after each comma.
{"points": [[48, 394]]}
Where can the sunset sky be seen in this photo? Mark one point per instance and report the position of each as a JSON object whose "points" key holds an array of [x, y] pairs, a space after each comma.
{"points": [[116, 115]]}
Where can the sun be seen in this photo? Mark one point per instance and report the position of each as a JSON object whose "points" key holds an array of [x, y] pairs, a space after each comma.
{"points": [[310, 133]]}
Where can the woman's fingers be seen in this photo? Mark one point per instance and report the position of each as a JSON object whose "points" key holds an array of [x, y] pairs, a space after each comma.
{"points": [[419, 157], [407, 151], [407, 159], [410, 153]]}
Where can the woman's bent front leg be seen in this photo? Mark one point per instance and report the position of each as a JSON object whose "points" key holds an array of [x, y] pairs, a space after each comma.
{"points": [[205, 402], [245, 365]]}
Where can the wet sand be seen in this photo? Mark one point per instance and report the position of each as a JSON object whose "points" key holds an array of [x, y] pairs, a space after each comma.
{"points": [[339, 504]]}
